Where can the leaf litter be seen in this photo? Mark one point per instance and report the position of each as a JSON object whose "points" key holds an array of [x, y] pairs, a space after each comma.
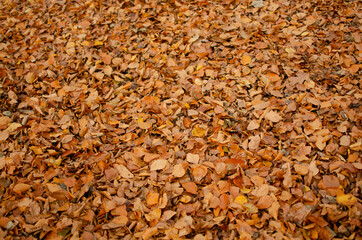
{"points": [[180, 120]]}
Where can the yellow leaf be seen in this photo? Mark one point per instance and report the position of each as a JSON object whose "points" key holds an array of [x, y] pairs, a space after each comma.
{"points": [[245, 190], [290, 50], [198, 132], [241, 199], [245, 60], [187, 105], [56, 162], [346, 199], [37, 150], [98, 43]]}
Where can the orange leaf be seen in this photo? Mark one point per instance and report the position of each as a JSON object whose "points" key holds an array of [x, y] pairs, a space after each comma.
{"points": [[235, 161], [178, 171], [190, 187], [273, 77], [152, 198], [187, 122], [245, 60], [224, 201], [199, 172]]}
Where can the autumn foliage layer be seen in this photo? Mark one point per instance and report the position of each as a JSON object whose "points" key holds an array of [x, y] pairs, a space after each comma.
{"points": [[180, 119]]}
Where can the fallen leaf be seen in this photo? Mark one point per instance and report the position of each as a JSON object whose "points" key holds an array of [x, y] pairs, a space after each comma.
{"points": [[158, 164], [254, 142], [273, 116], [346, 199], [254, 124], [190, 187], [265, 202], [13, 127], [199, 172], [345, 140], [241, 199], [149, 232], [21, 187], [123, 171], [152, 198], [4, 135], [301, 169], [198, 131], [192, 158], [245, 60], [178, 171], [53, 187], [30, 77]]}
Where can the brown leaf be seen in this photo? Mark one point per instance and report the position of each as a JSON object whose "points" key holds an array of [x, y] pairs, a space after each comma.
{"points": [[21, 187], [298, 213]]}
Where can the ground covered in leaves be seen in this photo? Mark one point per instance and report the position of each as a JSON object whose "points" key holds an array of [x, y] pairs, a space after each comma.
{"points": [[180, 119]]}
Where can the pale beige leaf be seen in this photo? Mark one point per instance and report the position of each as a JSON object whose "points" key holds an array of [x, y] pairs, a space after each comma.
{"points": [[4, 135], [178, 171], [192, 158], [254, 124], [123, 171], [158, 164], [273, 116]]}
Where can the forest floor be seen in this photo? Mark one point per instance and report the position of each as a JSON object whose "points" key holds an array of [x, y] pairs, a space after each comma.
{"points": [[204, 120]]}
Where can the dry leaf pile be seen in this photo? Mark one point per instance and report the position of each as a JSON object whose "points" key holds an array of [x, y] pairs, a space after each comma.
{"points": [[180, 119]]}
